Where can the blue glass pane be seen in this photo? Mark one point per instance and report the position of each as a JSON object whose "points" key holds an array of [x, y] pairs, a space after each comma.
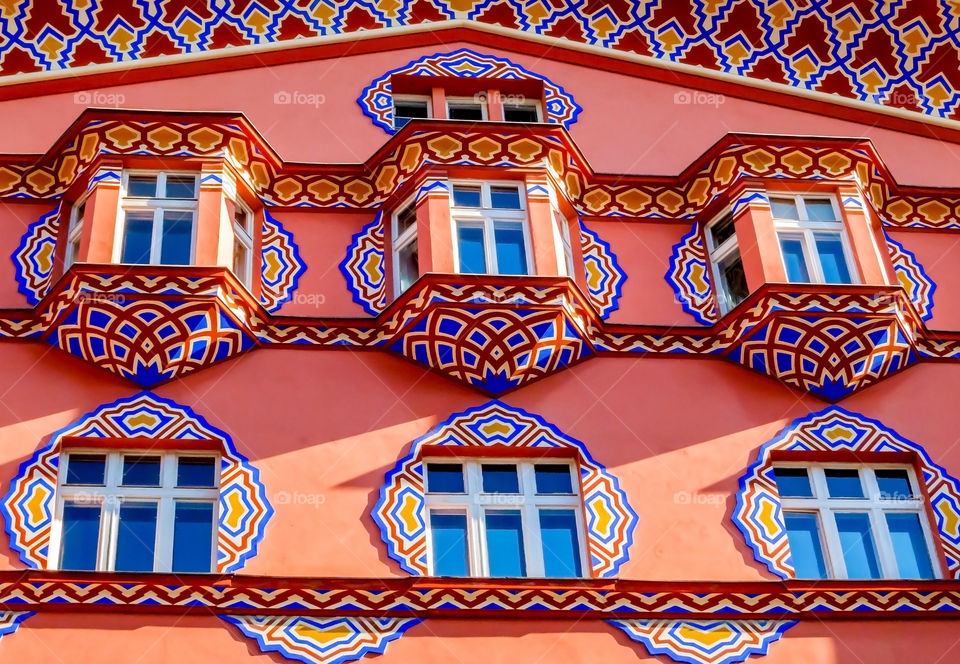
{"points": [[819, 209], [894, 484], [449, 544], [192, 537], [806, 550], [505, 543], [466, 196], [179, 186], [137, 234], [843, 483], [856, 542], [136, 537], [141, 471], [197, 471], [472, 255], [505, 198], [81, 532], [500, 478], [142, 186], [793, 482], [561, 546], [784, 208], [511, 253], [177, 236], [553, 478], [86, 469], [906, 535], [445, 478], [793, 260], [832, 260]]}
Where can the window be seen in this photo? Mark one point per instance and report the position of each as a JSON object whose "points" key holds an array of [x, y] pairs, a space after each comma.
{"points": [[812, 240], [158, 210], [521, 111], [136, 511], [855, 522], [510, 518], [406, 257], [466, 108], [564, 247], [74, 231], [727, 265], [408, 107], [490, 229], [243, 243]]}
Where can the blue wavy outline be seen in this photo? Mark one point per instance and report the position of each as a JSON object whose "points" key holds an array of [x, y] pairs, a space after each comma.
{"points": [[618, 283], [351, 248], [299, 266], [19, 268], [912, 257], [672, 266]]}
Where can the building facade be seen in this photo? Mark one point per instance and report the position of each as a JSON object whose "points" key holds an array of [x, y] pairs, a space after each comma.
{"points": [[479, 331]]}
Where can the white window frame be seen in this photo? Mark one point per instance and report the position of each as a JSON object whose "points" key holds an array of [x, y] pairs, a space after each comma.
{"points": [[401, 241], [410, 98], [473, 101], [475, 503], [158, 205], [824, 507], [538, 107], [111, 496], [718, 254], [564, 245], [486, 217], [243, 234], [805, 230], [74, 232]]}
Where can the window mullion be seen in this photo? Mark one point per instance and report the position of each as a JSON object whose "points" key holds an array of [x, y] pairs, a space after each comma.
{"points": [[834, 549], [476, 530], [882, 543], [156, 237], [532, 542]]}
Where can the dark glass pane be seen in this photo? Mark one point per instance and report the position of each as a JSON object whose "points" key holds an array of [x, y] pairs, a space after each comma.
{"points": [[553, 478], [179, 186], [806, 549], [449, 532], [141, 470], [856, 543], [832, 261], [511, 251], [734, 280], [561, 546], [794, 261], [819, 209], [81, 533], [403, 111], [843, 483], [505, 198], [192, 537], [142, 186], [200, 472], [445, 478], [505, 543], [467, 197], [721, 231], [472, 253], [137, 237], [459, 111], [500, 478], [784, 208], [906, 536], [86, 469], [406, 218], [409, 265], [894, 484], [520, 113], [136, 537], [793, 483], [177, 235]]}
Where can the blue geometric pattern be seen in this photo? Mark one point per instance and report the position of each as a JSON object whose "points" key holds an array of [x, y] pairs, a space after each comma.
{"points": [[33, 258], [703, 641]]}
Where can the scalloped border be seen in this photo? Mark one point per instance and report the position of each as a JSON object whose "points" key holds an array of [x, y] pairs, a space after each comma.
{"points": [[692, 245], [280, 294], [607, 300], [49, 224], [376, 232]]}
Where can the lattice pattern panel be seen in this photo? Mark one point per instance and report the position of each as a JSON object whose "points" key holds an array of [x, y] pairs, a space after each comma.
{"points": [[321, 640], [244, 510], [399, 512], [705, 642], [758, 514]]}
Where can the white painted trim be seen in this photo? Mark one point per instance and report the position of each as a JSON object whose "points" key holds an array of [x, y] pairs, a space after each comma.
{"points": [[486, 217]]}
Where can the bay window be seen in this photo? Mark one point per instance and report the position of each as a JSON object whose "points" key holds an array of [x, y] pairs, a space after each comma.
{"points": [[136, 511], [406, 257], [490, 228], [848, 521], [243, 221], [158, 217], [813, 244], [727, 265], [504, 518]]}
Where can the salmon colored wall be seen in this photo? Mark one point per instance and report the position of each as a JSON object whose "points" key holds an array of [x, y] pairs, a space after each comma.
{"points": [[323, 442], [45, 637], [939, 253]]}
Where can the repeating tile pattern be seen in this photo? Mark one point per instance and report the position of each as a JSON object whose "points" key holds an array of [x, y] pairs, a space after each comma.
{"points": [[244, 510], [705, 642], [399, 513], [758, 514]]}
